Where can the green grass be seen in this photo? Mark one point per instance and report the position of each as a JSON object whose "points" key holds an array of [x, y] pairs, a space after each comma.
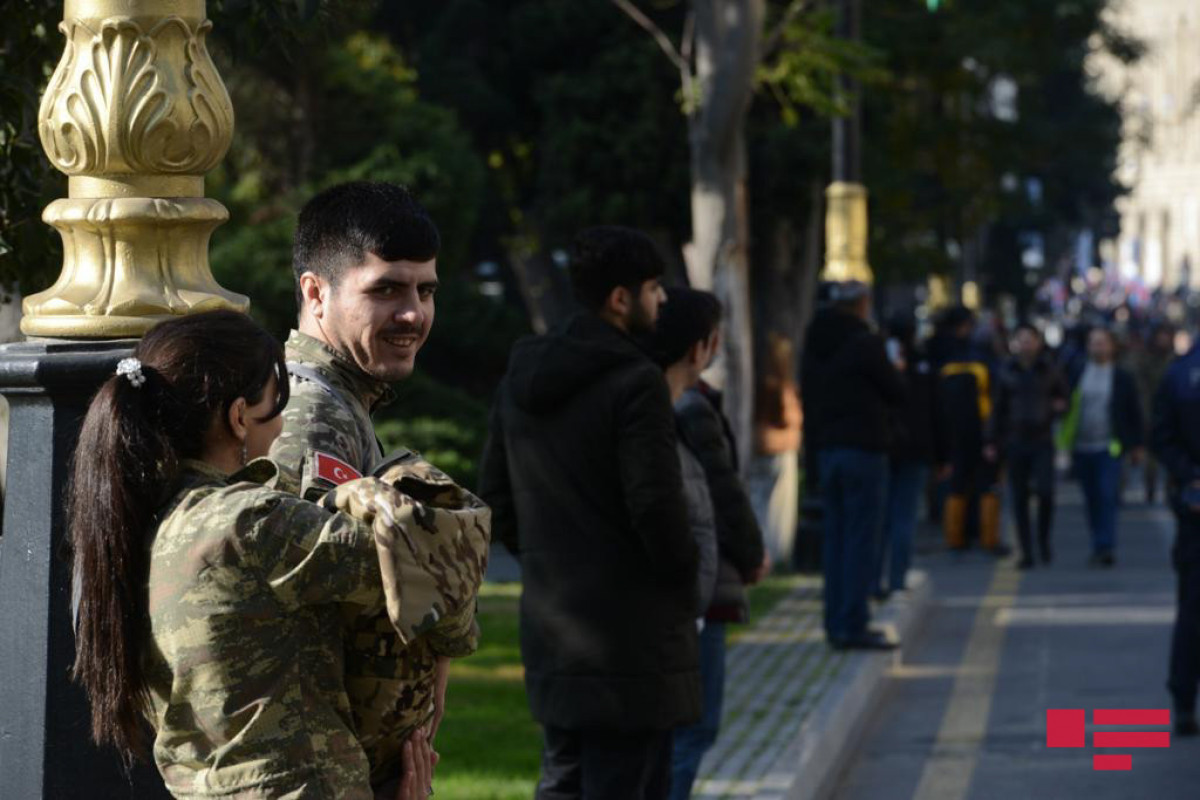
{"points": [[490, 747]]}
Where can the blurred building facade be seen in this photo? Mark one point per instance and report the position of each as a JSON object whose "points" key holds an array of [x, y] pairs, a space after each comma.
{"points": [[1159, 240]]}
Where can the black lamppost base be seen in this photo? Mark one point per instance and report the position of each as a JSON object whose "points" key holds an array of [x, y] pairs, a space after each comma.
{"points": [[45, 745]]}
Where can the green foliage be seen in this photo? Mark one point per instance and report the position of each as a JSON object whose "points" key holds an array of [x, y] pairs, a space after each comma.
{"points": [[444, 424], [936, 156], [30, 45], [811, 63]]}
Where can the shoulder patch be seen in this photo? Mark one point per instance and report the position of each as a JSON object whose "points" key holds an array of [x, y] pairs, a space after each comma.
{"points": [[333, 469]]}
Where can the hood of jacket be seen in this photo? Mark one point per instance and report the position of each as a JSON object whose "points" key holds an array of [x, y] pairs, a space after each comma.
{"points": [[831, 330], [544, 372]]}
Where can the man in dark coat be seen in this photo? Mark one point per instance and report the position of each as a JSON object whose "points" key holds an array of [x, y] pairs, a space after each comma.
{"points": [[583, 477], [851, 390], [1030, 394], [1175, 438]]}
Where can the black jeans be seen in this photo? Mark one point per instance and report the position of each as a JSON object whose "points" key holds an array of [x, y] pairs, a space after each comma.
{"points": [[1031, 471], [1185, 639], [605, 765]]}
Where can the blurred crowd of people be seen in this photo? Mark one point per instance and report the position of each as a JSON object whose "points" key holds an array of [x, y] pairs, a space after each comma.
{"points": [[975, 410]]}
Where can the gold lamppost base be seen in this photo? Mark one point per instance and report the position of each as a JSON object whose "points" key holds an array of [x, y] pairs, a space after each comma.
{"points": [[128, 263], [135, 114], [846, 233]]}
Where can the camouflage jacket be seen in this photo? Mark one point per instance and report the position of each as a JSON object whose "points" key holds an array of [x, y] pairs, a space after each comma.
{"points": [[248, 588], [390, 684], [244, 658]]}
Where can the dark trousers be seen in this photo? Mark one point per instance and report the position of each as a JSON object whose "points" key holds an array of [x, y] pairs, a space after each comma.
{"points": [[906, 480], [1185, 638], [1100, 478], [1031, 473], [854, 490], [605, 765], [692, 742]]}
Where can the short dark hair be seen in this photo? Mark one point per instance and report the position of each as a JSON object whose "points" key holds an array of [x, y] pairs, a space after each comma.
{"points": [[688, 316], [339, 226], [609, 256], [1027, 326]]}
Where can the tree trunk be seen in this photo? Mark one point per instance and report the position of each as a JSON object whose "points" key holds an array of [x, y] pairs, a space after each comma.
{"points": [[546, 298], [728, 37]]}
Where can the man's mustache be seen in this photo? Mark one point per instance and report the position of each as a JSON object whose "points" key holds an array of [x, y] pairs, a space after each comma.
{"points": [[396, 332]]}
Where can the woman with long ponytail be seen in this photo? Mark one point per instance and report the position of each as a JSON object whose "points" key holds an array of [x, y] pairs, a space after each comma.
{"points": [[208, 601]]}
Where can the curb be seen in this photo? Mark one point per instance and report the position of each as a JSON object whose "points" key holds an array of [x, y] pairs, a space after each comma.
{"points": [[814, 760]]}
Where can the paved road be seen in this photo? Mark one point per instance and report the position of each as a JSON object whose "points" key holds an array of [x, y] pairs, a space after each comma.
{"points": [[965, 717]]}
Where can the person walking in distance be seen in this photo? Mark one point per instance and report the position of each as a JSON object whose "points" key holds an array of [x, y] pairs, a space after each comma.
{"points": [[1102, 426], [1030, 394], [582, 472]]}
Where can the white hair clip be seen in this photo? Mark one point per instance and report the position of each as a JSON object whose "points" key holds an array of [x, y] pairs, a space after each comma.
{"points": [[132, 368]]}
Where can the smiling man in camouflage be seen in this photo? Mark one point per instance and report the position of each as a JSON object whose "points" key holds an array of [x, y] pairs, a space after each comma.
{"points": [[366, 273]]}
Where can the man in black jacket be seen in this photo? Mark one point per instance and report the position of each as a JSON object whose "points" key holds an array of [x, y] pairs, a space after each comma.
{"points": [[851, 389], [1030, 394], [1175, 437], [583, 478]]}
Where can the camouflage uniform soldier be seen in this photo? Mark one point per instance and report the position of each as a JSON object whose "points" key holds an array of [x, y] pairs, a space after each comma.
{"points": [[211, 602], [283, 568], [366, 273]]}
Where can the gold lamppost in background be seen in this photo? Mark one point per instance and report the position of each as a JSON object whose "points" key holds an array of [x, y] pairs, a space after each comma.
{"points": [[135, 115], [846, 197]]}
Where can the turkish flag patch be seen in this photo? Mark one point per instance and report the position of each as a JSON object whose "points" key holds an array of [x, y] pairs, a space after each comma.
{"points": [[334, 470]]}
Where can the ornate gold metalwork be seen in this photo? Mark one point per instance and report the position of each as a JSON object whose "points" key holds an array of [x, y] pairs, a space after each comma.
{"points": [[846, 233], [135, 114]]}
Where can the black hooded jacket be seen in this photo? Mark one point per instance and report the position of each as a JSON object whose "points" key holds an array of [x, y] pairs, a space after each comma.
{"points": [[583, 478], [848, 385]]}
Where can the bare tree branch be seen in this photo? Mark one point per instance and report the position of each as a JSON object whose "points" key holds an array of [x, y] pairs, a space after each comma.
{"points": [[775, 38], [664, 42]]}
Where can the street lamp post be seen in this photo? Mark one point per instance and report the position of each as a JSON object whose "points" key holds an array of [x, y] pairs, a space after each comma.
{"points": [[135, 115], [846, 197]]}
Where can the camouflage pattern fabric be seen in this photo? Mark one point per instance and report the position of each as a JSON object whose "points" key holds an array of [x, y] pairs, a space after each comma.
{"points": [[390, 684], [433, 539], [244, 653]]}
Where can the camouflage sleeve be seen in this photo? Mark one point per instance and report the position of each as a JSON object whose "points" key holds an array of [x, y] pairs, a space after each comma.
{"points": [[311, 556], [314, 422], [432, 552], [455, 635]]}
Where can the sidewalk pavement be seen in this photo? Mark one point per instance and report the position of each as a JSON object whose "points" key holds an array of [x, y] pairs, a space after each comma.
{"points": [[794, 707]]}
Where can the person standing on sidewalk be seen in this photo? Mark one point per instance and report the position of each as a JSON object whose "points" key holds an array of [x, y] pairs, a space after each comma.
{"points": [[1103, 424], [1175, 440], [852, 388], [685, 340], [918, 442], [582, 473], [1030, 394]]}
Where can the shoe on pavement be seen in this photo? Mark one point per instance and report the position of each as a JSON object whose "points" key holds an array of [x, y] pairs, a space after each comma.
{"points": [[1185, 723], [867, 640], [1026, 562], [1001, 550]]}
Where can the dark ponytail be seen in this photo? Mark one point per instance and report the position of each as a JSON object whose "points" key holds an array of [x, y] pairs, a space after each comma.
{"points": [[125, 468]]}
